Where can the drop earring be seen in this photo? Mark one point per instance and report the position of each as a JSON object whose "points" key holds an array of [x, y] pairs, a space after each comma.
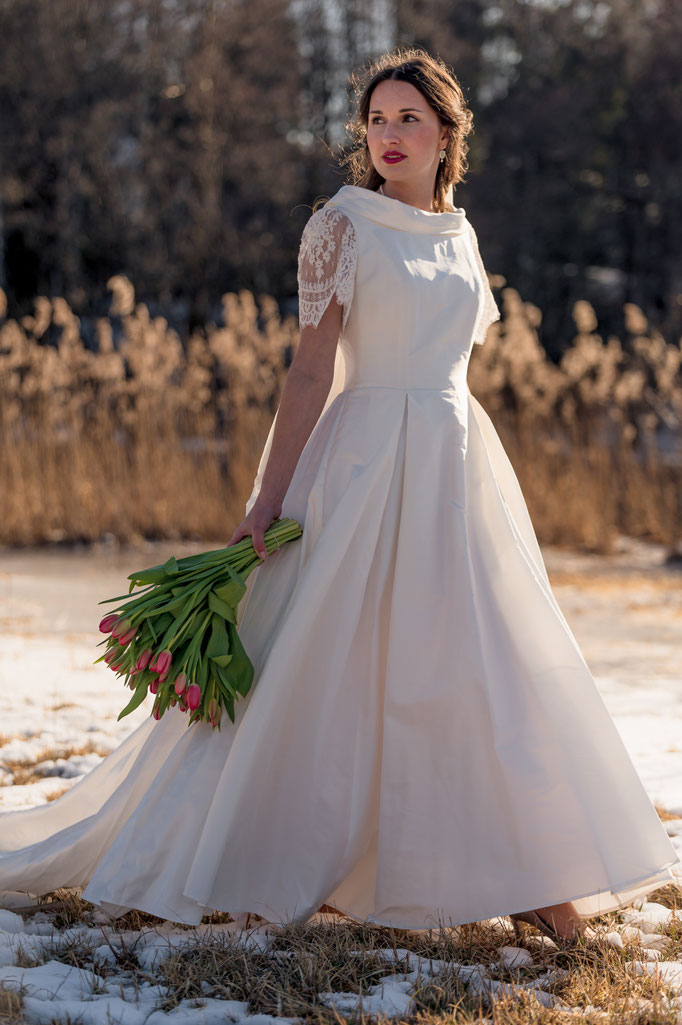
{"points": [[442, 155]]}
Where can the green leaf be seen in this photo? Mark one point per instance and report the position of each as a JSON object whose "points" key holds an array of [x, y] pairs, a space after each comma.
{"points": [[170, 566], [241, 670], [234, 591], [229, 705], [221, 660], [220, 606], [155, 575], [137, 699], [226, 684], [219, 643], [174, 606]]}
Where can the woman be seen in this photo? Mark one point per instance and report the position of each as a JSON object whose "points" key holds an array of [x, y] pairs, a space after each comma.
{"points": [[423, 740]]}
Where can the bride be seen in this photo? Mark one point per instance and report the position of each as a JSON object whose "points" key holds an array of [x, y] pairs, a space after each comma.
{"points": [[423, 739]]}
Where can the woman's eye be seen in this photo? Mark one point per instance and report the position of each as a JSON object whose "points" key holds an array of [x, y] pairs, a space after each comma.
{"points": [[376, 119]]}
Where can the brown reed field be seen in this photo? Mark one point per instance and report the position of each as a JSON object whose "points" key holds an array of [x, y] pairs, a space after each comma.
{"points": [[144, 434]]}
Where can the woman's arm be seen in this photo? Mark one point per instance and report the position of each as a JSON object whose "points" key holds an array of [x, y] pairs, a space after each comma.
{"points": [[327, 261], [304, 394], [305, 391]]}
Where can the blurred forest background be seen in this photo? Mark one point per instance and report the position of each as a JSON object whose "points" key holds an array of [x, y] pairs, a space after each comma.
{"points": [[158, 161]]}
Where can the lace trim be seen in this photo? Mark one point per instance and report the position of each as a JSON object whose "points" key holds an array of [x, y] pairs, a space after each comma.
{"points": [[327, 261], [488, 312]]}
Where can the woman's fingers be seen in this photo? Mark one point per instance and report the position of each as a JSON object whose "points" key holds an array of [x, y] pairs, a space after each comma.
{"points": [[258, 541], [255, 524], [240, 532]]}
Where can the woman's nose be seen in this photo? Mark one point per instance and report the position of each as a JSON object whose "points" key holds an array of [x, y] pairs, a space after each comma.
{"points": [[390, 133]]}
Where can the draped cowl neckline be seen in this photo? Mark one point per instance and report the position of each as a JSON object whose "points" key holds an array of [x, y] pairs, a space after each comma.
{"points": [[395, 214]]}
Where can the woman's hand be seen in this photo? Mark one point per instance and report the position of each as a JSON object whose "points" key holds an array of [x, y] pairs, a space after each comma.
{"points": [[255, 523]]}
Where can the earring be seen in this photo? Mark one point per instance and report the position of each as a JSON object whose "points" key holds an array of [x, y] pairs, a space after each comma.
{"points": [[442, 155]]}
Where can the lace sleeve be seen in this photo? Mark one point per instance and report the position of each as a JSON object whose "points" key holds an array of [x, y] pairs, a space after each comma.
{"points": [[327, 262], [488, 312]]}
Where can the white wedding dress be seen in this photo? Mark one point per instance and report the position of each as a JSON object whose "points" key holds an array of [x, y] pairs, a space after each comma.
{"points": [[423, 741]]}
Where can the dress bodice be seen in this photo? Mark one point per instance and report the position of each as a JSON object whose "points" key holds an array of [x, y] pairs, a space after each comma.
{"points": [[414, 292]]}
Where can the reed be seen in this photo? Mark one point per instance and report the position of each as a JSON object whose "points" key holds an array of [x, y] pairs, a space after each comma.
{"points": [[143, 434]]}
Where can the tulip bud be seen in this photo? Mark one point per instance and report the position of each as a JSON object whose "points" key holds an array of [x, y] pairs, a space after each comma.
{"points": [[161, 662], [193, 696], [153, 686], [180, 683], [107, 623], [127, 636], [156, 713], [120, 627], [212, 708], [111, 654], [143, 659]]}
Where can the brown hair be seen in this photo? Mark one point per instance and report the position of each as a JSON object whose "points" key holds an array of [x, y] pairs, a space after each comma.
{"points": [[439, 86]]}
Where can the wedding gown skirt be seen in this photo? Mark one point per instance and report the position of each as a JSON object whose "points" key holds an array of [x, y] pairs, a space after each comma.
{"points": [[423, 741]]}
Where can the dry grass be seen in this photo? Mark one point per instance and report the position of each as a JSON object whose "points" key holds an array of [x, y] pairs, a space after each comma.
{"points": [[665, 815], [143, 434], [11, 1007], [588, 437], [338, 955], [25, 771]]}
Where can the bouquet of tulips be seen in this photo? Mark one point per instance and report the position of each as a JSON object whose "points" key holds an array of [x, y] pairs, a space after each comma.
{"points": [[177, 637]]}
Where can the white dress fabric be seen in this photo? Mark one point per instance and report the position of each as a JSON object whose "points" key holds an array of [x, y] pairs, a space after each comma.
{"points": [[423, 741]]}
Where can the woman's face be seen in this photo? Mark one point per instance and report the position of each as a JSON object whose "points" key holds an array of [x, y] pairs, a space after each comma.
{"points": [[404, 133]]}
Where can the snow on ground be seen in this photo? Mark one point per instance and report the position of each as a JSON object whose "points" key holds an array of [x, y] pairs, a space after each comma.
{"points": [[626, 613], [59, 718]]}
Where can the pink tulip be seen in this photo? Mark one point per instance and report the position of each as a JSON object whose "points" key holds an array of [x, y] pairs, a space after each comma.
{"points": [[127, 636], [120, 627], [193, 696], [180, 683], [156, 713], [153, 686], [173, 702], [143, 659], [164, 675], [161, 662], [107, 623], [111, 654]]}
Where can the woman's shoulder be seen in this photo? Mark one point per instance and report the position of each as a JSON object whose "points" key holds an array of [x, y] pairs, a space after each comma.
{"points": [[328, 229], [328, 217], [327, 262]]}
